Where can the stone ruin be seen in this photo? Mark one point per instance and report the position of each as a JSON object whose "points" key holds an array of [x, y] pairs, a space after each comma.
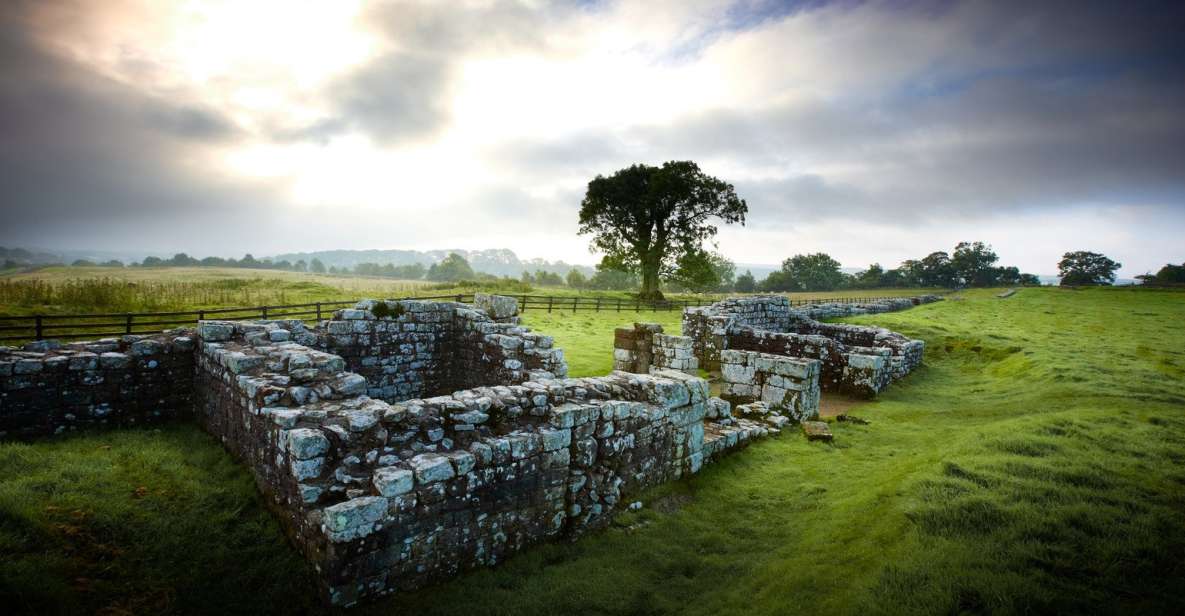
{"points": [[402, 442], [855, 360]]}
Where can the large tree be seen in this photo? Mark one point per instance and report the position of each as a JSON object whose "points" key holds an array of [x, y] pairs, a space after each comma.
{"points": [[975, 263], [936, 270], [814, 272], [1086, 268], [646, 218]]}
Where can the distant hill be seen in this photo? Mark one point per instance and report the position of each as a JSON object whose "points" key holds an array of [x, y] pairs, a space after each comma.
{"points": [[498, 261]]}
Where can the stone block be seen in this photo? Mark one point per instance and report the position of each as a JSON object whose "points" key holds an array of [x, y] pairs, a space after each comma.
{"points": [[354, 519], [390, 481]]}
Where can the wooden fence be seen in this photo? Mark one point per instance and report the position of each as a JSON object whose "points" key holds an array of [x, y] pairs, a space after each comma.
{"points": [[69, 326]]}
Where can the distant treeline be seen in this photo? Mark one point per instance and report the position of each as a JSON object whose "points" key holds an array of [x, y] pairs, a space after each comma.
{"points": [[971, 264], [1169, 275]]}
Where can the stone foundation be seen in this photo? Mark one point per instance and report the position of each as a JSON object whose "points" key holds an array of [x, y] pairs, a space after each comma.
{"points": [[400, 443], [856, 360]]}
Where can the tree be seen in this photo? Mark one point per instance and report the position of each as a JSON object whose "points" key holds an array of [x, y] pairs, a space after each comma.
{"points": [[1168, 275], [613, 280], [1086, 268], [726, 271], [82, 263], [871, 277], [452, 268], [152, 262], [1007, 275], [779, 280], [527, 278], [814, 272], [938, 271], [112, 263], [974, 262], [645, 218], [1030, 280], [745, 283], [316, 266], [694, 272], [576, 280], [301, 266]]}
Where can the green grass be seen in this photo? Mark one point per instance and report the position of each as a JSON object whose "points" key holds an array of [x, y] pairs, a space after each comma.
{"points": [[1034, 464], [587, 336]]}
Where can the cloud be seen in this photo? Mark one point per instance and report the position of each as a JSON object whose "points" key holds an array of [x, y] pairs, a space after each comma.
{"points": [[876, 121], [89, 160]]}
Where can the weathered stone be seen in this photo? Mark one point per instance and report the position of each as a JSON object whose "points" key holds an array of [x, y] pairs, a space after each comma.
{"points": [[305, 443], [431, 467], [816, 431], [391, 481], [355, 518]]}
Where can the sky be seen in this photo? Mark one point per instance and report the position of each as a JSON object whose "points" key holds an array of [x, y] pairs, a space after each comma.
{"points": [[873, 131]]}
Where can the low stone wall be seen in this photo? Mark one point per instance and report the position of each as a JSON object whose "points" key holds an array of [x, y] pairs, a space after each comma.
{"points": [[49, 388], [856, 360], [644, 349], [382, 497], [788, 385]]}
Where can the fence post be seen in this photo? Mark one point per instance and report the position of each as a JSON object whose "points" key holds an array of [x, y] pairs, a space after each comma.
{"points": [[39, 328], [459, 298], [524, 303], [598, 308], [550, 301], [201, 315], [263, 311], [574, 300], [619, 304], [318, 311], [128, 328]]}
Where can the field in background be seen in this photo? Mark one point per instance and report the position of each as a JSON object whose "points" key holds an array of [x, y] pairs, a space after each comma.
{"points": [[74, 290], [1033, 464]]}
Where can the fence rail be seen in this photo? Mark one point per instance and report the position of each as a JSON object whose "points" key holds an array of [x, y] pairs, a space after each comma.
{"points": [[66, 326]]}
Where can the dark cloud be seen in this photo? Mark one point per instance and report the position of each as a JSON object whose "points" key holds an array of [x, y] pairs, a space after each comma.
{"points": [[89, 161], [1063, 109]]}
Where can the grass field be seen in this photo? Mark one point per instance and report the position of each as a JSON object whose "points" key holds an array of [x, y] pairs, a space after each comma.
{"points": [[1034, 464], [74, 290]]}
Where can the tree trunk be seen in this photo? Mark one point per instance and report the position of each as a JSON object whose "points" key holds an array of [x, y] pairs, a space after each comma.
{"points": [[650, 281]]}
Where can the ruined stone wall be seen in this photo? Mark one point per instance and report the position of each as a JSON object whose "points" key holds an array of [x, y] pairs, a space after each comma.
{"points": [[789, 385], [49, 388], [407, 349], [856, 360], [644, 349], [382, 497]]}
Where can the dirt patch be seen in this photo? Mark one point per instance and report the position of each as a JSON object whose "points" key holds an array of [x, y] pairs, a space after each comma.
{"points": [[832, 404]]}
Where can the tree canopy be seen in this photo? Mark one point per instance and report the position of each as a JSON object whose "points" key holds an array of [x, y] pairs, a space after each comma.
{"points": [[813, 272], [451, 269], [645, 219], [1086, 268]]}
